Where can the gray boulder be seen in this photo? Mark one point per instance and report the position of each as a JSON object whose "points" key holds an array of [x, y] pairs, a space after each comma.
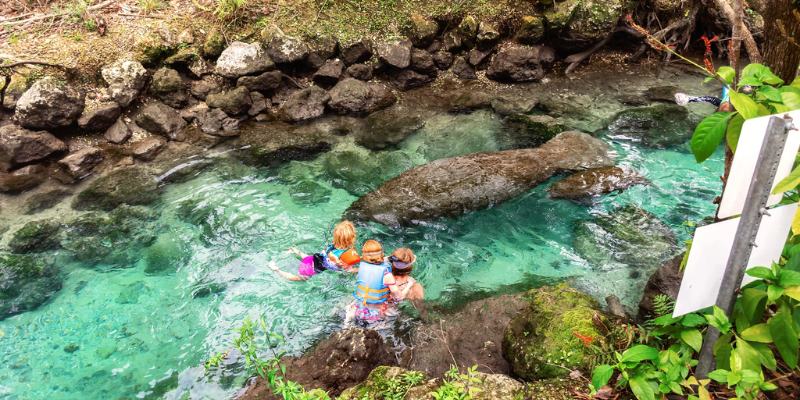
{"points": [[149, 148], [131, 185], [422, 62], [305, 104], [49, 104], [409, 79], [395, 54], [351, 96], [443, 59], [422, 30], [241, 59], [25, 178], [208, 85], [216, 123], [118, 133], [577, 24], [361, 72], [19, 146], [285, 49], [329, 73], [99, 115], [356, 52], [657, 126], [79, 164], [320, 49], [168, 87], [26, 282], [161, 119], [452, 186], [488, 34], [462, 69], [516, 63], [125, 79], [266, 82], [233, 102]]}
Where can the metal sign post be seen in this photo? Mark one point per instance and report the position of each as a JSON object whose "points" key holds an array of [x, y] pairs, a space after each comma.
{"points": [[752, 213]]}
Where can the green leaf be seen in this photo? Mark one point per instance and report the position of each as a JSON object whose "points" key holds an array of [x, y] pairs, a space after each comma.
{"points": [[760, 272], [692, 338], [774, 292], [601, 375], [757, 333], [793, 292], [796, 82], [708, 134], [692, 320], [789, 278], [780, 107], [753, 303], [719, 375], [641, 388], [784, 336], [640, 352], [719, 320], [766, 356], [788, 183], [750, 357], [744, 105], [722, 351], [733, 131], [791, 99], [757, 75], [770, 93], [727, 74]]}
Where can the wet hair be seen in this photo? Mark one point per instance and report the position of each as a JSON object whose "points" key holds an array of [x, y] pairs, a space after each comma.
{"points": [[405, 255], [344, 235], [372, 252]]}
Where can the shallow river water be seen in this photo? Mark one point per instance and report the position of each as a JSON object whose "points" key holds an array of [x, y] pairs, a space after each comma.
{"points": [[122, 333]]}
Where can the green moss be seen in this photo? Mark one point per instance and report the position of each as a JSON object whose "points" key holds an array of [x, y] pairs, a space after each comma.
{"points": [[531, 29], [542, 341], [35, 236], [214, 44], [384, 382], [27, 282]]}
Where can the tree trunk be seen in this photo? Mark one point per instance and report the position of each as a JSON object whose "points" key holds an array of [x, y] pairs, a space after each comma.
{"points": [[745, 36], [782, 38]]}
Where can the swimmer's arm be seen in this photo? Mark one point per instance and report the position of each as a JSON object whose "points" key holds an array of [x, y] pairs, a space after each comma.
{"points": [[388, 281]]}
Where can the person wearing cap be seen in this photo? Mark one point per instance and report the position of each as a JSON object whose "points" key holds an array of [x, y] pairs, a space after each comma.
{"points": [[407, 288]]}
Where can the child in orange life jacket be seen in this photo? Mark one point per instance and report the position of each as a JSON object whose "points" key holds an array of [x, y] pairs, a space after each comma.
{"points": [[375, 285], [339, 256]]}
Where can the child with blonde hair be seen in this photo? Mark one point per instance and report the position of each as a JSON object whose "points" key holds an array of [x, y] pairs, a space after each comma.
{"points": [[338, 256]]}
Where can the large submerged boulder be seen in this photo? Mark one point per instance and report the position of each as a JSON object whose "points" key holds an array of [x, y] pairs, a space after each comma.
{"points": [[452, 186], [35, 236], [133, 186], [26, 282], [49, 104], [657, 126], [549, 338], [125, 79], [20, 146]]}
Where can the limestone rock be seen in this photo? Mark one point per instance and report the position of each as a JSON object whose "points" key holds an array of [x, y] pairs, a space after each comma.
{"points": [[118, 133], [216, 123], [161, 119], [148, 148], [488, 34], [665, 281], [395, 54], [45, 200], [125, 79], [19, 146], [329, 73], [351, 96], [81, 163], [452, 186], [356, 52], [214, 44], [241, 59], [305, 104], [131, 185], [168, 87], [277, 142], [508, 105], [259, 104], [320, 50], [25, 178], [361, 72], [266, 82], [26, 282], [532, 130], [285, 49], [542, 341], [477, 56], [657, 126], [99, 115], [590, 22], [49, 104], [452, 42], [594, 182], [516, 63], [389, 127], [233, 102]]}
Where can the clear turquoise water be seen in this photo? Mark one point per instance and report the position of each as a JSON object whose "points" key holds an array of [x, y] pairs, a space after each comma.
{"points": [[141, 335]]}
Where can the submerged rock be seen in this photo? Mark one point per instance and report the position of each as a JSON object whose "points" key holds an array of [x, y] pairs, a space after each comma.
{"points": [[19, 146], [544, 340], [351, 96], [389, 127], [148, 148], [25, 178], [80, 164], [26, 282], [49, 104], [532, 130], [276, 142], [42, 201], [234, 102], [629, 236], [452, 186], [35, 236], [125, 79], [166, 254], [657, 126], [595, 182], [131, 185]]}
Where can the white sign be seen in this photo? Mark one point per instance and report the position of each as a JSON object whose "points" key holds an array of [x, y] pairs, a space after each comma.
{"points": [[711, 248], [744, 163]]}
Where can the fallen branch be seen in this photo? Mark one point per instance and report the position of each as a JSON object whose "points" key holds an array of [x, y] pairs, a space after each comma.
{"points": [[56, 14]]}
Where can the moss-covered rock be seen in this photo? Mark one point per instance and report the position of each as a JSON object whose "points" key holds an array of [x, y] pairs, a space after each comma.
{"points": [[543, 340], [153, 49], [531, 29], [35, 236], [26, 282], [580, 23], [532, 130], [165, 254], [658, 126], [214, 44], [132, 185]]}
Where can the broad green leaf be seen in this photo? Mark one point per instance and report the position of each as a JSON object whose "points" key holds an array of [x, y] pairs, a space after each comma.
{"points": [[703, 393], [780, 107], [774, 293], [760, 272], [693, 338], [692, 320], [665, 320], [719, 375], [757, 333], [733, 131], [708, 134], [789, 278], [638, 353], [793, 292], [719, 320], [745, 105], [784, 336], [641, 388], [757, 75], [770, 93], [753, 303], [788, 183], [750, 357], [727, 74], [766, 356], [796, 82], [601, 375], [791, 100]]}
